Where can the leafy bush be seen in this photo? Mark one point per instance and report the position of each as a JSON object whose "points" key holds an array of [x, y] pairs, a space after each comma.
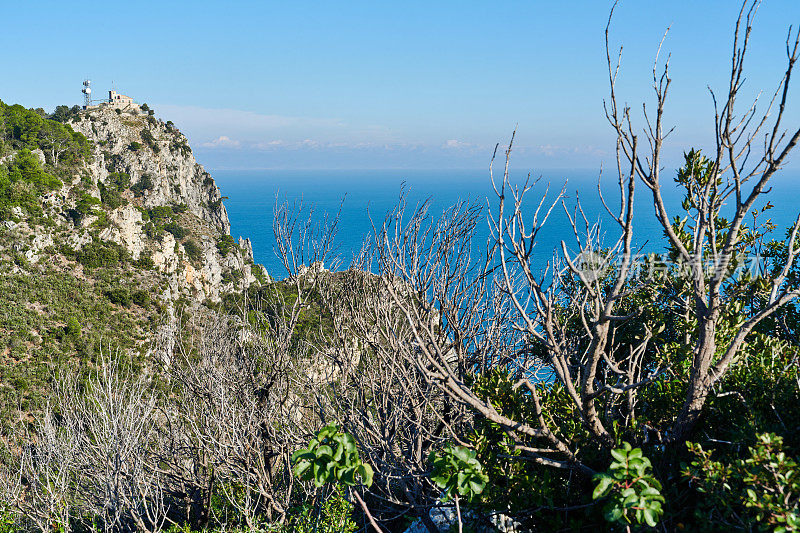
{"points": [[225, 244], [141, 298], [759, 492], [111, 198], [73, 327], [193, 251], [86, 204], [150, 141], [457, 471], [334, 515], [101, 254], [145, 261], [135, 146], [119, 180], [119, 296], [160, 213], [633, 493], [331, 457], [177, 231], [144, 184], [179, 208], [26, 167]]}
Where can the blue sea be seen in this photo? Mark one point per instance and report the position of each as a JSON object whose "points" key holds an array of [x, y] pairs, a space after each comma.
{"points": [[371, 194]]}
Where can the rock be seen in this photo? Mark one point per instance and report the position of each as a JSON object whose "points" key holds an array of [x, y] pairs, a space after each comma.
{"points": [[126, 230], [176, 176], [445, 519], [78, 240], [164, 159], [165, 259], [247, 246], [40, 156]]}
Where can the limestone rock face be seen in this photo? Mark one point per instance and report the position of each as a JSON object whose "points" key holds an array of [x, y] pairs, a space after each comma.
{"points": [[161, 171], [126, 229], [140, 145]]}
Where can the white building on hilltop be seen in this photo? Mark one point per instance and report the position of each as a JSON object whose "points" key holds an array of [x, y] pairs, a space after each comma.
{"points": [[120, 101]]}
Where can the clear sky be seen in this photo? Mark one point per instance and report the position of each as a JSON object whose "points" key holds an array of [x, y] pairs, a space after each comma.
{"points": [[373, 84]]}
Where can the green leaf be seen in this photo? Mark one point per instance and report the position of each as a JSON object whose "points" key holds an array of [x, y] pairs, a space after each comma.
{"points": [[477, 485], [650, 517], [604, 482], [300, 453], [619, 455], [366, 473], [324, 451]]}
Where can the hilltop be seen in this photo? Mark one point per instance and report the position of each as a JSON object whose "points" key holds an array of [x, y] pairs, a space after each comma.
{"points": [[108, 228]]}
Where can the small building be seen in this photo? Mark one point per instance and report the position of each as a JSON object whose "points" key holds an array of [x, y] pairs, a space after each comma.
{"points": [[119, 101]]}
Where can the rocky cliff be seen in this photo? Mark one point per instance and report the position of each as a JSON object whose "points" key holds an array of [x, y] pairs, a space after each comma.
{"points": [[150, 166], [109, 229]]}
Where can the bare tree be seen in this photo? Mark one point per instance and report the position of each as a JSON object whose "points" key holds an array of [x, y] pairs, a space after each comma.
{"points": [[118, 480], [564, 324], [751, 147], [395, 413], [95, 458], [38, 480]]}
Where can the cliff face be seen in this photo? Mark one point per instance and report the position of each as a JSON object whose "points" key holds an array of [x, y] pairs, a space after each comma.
{"points": [[163, 153], [159, 171]]}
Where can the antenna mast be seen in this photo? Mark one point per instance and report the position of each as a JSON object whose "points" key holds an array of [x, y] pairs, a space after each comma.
{"points": [[87, 93]]}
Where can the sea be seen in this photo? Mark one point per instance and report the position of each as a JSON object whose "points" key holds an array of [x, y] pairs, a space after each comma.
{"points": [[362, 198]]}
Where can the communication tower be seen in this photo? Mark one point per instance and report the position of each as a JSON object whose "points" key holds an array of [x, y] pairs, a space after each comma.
{"points": [[87, 93]]}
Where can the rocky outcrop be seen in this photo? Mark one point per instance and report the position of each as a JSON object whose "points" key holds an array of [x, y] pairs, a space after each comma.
{"points": [[143, 147], [159, 170]]}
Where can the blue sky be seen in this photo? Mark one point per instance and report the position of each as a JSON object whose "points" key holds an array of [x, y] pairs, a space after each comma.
{"points": [[387, 84]]}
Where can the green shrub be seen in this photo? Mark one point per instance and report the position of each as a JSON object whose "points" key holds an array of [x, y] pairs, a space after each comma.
{"points": [[331, 457], [119, 180], [334, 515], [457, 471], [101, 254], [758, 492], [73, 327], [141, 298], [144, 184], [86, 204], [633, 494], [150, 141], [119, 296], [225, 244], [152, 231], [111, 198], [145, 261], [177, 231], [160, 213], [134, 146], [193, 251]]}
